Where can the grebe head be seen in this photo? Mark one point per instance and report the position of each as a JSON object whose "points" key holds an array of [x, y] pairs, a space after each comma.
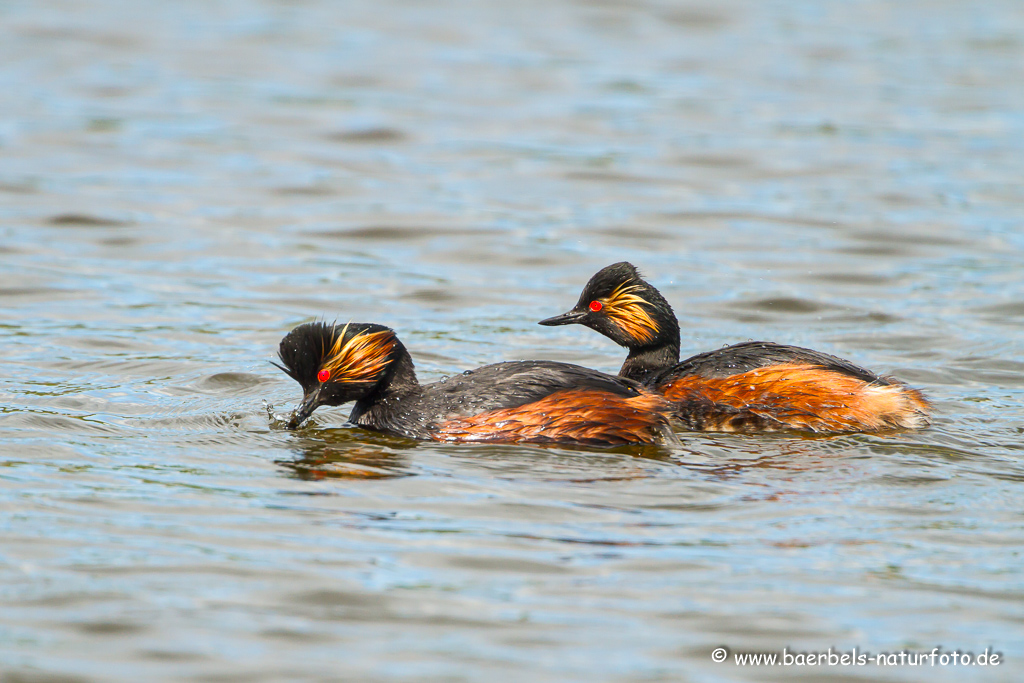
{"points": [[619, 304], [335, 364]]}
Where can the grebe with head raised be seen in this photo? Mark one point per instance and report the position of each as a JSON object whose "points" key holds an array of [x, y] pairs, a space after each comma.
{"points": [[754, 386]]}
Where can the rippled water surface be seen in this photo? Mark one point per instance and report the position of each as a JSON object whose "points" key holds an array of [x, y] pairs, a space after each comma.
{"points": [[181, 183]]}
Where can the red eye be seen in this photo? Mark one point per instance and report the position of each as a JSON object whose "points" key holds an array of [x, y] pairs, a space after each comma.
{"points": [[595, 306], [323, 375]]}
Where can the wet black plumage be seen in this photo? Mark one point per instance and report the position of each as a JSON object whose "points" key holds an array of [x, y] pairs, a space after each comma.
{"points": [[739, 358]]}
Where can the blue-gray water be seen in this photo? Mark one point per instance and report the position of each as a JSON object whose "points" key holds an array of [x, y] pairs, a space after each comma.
{"points": [[183, 182]]}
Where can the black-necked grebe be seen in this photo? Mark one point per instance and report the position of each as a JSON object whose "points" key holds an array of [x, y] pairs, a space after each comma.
{"points": [[519, 401], [754, 386]]}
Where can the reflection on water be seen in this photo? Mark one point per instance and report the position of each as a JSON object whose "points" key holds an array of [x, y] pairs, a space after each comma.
{"points": [[183, 183], [348, 454]]}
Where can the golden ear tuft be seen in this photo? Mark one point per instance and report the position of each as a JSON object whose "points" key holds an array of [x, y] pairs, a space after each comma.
{"points": [[629, 311], [361, 358]]}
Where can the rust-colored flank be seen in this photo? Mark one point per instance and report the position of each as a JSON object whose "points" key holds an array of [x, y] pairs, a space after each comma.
{"points": [[793, 396], [586, 416]]}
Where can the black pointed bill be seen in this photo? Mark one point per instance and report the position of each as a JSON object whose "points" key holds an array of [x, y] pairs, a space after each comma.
{"points": [[565, 319], [310, 402]]}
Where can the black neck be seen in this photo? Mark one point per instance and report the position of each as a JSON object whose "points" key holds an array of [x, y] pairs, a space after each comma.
{"points": [[644, 362], [660, 353], [399, 381]]}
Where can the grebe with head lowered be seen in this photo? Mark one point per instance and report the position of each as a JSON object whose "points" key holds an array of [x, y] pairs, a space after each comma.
{"points": [[519, 401], [754, 386]]}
